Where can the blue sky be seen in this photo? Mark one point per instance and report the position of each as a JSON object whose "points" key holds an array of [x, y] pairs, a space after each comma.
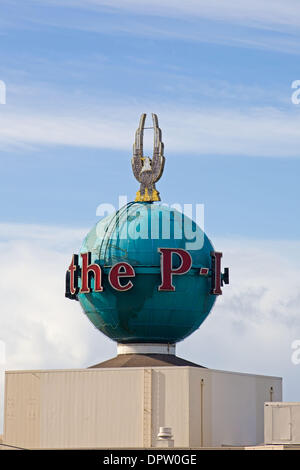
{"points": [[224, 83], [78, 75]]}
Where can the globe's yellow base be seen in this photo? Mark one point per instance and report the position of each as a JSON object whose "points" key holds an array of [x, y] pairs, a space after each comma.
{"points": [[146, 197]]}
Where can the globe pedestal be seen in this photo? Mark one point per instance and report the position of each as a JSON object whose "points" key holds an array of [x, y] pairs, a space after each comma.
{"points": [[146, 348]]}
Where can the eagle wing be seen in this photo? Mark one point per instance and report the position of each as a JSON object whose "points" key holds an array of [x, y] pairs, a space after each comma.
{"points": [[158, 160], [136, 161]]}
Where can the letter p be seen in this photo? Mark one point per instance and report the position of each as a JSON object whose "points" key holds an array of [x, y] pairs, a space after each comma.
{"points": [[167, 270]]}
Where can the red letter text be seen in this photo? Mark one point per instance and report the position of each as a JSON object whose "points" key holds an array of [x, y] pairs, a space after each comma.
{"points": [[167, 270], [121, 270], [87, 271], [216, 273]]}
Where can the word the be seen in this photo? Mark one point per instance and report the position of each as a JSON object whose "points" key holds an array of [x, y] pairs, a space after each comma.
{"points": [[120, 274]]}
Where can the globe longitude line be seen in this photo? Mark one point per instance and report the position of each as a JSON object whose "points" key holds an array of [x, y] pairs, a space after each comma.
{"points": [[114, 221]]}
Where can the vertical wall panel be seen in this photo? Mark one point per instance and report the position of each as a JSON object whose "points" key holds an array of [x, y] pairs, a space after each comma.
{"points": [[92, 408], [22, 409], [147, 408], [170, 403]]}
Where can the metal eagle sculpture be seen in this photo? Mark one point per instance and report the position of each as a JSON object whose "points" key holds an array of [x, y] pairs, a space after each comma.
{"points": [[146, 170]]}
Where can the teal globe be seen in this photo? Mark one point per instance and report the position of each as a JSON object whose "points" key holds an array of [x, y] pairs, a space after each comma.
{"points": [[143, 313]]}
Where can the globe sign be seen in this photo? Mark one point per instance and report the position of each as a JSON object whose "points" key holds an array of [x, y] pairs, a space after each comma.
{"points": [[138, 235]]}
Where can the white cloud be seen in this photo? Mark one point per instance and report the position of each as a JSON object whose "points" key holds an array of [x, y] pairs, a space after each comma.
{"points": [[248, 131], [58, 236], [271, 24], [250, 329], [266, 14]]}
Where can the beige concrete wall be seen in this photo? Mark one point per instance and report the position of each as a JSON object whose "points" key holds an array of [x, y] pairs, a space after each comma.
{"points": [[85, 408], [170, 403], [237, 407], [282, 423], [22, 409], [227, 409], [92, 408], [125, 407], [265, 394], [200, 407]]}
